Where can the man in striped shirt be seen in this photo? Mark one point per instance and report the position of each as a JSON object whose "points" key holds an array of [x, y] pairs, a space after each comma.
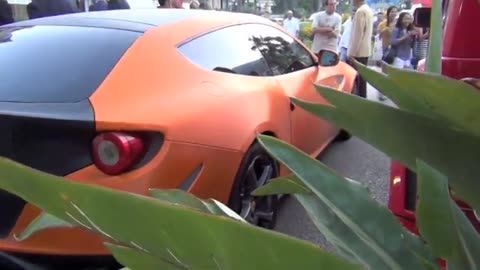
{"points": [[420, 48]]}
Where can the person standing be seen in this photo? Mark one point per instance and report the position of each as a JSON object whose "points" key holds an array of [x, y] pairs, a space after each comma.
{"points": [[380, 18], [326, 28], [345, 39], [170, 3], [403, 37], [98, 5], [360, 45], [291, 24], [204, 5], [194, 4], [386, 27], [118, 4], [420, 47], [44, 8], [6, 13]]}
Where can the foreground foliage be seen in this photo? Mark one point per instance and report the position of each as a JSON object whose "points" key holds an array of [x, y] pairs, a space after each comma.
{"points": [[433, 130], [365, 233], [176, 230]]}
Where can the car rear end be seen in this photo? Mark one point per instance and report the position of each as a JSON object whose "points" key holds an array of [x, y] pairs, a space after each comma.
{"points": [[48, 123], [460, 59]]}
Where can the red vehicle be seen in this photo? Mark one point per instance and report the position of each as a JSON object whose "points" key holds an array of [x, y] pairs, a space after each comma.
{"points": [[460, 59]]}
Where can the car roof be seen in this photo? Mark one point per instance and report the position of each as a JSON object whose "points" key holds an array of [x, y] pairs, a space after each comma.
{"points": [[141, 20]]}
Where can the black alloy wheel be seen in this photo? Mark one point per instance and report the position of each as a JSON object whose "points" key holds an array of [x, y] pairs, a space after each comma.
{"points": [[256, 169]]}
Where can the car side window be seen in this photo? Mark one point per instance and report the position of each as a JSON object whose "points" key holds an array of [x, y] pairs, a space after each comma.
{"points": [[227, 50], [283, 53]]}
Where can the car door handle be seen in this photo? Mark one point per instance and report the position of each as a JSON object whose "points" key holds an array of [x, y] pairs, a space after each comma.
{"points": [[292, 106]]}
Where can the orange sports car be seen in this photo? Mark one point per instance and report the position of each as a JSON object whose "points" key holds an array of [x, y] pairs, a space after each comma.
{"points": [[167, 98]]}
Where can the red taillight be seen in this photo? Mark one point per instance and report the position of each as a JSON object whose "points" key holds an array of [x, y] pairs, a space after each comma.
{"points": [[116, 152]]}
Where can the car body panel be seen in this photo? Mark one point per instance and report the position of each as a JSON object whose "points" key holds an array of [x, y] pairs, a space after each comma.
{"points": [[200, 90], [460, 54], [167, 170], [305, 135], [208, 119]]}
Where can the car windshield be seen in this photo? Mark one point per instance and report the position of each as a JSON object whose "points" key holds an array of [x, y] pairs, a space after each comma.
{"points": [[57, 64]]}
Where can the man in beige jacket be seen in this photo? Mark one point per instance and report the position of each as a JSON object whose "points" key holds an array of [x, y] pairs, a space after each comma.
{"points": [[360, 46]]}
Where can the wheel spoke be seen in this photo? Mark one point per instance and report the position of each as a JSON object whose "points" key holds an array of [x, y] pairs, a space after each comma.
{"points": [[264, 215], [257, 210], [266, 175], [252, 177], [246, 209]]}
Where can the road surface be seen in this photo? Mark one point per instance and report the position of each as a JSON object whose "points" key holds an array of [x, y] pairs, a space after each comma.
{"points": [[354, 159]]}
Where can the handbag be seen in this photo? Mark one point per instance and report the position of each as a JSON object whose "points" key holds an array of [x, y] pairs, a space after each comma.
{"points": [[389, 55]]}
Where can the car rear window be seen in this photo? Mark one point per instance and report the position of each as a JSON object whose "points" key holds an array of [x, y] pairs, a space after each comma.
{"points": [[57, 64]]}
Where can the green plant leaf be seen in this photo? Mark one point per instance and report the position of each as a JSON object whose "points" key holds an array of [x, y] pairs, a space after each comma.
{"points": [[385, 128], [324, 219], [179, 197], [43, 221], [339, 234], [386, 242], [166, 231], [455, 101], [427, 264], [140, 260], [290, 185], [183, 198], [281, 185], [441, 222], [434, 58], [389, 87]]}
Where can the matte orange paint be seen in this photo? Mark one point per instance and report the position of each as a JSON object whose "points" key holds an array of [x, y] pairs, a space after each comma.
{"points": [[207, 117]]}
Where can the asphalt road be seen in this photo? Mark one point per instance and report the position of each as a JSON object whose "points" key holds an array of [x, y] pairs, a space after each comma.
{"points": [[354, 159]]}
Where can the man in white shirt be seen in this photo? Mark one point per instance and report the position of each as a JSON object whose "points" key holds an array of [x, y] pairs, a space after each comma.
{"points": [[291, 24], [345, 39], [326, 28]]}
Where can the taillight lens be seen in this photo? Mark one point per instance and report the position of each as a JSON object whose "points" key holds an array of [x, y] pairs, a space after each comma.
{"points": [[116, 152]]}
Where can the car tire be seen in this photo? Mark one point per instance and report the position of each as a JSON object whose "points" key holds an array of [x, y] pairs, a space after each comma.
{"points": [[258, 211], [344, 135]]}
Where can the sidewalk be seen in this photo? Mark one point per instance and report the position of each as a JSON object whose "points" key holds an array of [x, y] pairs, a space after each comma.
{"points": [[373, 94]]}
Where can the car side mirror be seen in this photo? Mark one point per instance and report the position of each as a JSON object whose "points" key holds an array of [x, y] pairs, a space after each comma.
{"points": [[421, 17], [327, 58]]}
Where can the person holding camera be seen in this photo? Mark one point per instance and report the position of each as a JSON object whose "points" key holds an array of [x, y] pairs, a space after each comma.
{"points": [[403, 38]]}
